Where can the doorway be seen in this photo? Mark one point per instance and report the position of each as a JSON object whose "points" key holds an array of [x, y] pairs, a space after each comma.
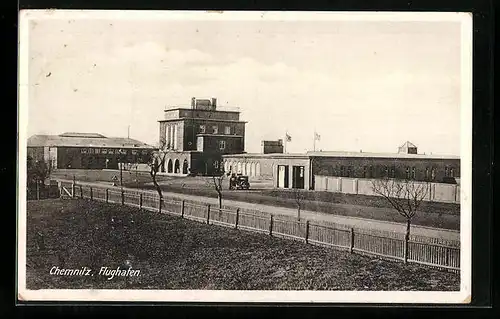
{"points": [[298, 177], [282, 176]]}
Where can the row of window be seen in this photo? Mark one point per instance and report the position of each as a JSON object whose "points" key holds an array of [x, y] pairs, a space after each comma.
{"points": [[386, 171], [111, 151], [215, 129]]}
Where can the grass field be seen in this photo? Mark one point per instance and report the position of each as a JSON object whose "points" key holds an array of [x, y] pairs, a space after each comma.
{"points": [[174, 253]]}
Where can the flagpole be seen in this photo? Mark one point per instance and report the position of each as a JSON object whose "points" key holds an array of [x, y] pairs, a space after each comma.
{"points": [[286, 139], [314, 141]]}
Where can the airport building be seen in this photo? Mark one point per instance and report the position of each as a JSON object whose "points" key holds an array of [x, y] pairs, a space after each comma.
{"points": [[346, 171], [195, 138], [87, 150]]}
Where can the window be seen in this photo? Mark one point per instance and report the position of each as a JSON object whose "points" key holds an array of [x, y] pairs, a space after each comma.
{"points": [[84, 151], [342, 171], [227, 130], [111, 151], [104, 151], [407, 172], [413, 173], [446, 171], [426, 173], [349, 171], [452, 172], [216, 164], [97, 151], [222, 145], [364, 171], [215, 129], [202, 129], [393, 172], [370, 171], [433, 173]]}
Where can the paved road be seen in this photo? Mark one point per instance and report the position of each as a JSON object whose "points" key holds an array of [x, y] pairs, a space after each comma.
{"points": [[317, 216]]}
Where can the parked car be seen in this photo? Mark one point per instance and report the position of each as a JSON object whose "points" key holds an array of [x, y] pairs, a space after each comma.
{"points": [[239, 182]]}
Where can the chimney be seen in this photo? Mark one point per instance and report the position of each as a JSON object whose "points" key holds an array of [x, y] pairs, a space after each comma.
{"points": [[193, 102], [214, 103]]}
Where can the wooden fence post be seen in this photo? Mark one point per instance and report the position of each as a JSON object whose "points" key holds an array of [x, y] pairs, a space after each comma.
{"points": [[81, 191], [122, 197], [140, 201], [307, 231], [351, 246], [237, 218], [182, 208], [208, 214], [271, 226], [160, 201], [446, 257], [107, 195], [91, 195], [405, 250]]}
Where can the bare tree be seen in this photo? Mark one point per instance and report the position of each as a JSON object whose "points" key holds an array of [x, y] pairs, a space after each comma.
{"points": [[405, 195], [217, 182], [155, 161], [299, 197]]}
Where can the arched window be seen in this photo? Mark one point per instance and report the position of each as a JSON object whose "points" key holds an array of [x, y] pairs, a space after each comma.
{"points": [[238, 169], [248, 169], [169, 165], [176, 167], [257, 169], [185, 167]]}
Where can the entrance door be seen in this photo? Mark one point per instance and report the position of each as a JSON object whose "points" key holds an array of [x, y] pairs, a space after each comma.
{"points": [[282, 176], [298, 177]]}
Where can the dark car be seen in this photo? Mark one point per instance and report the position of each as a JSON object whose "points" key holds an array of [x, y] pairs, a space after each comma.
{"points": [[239, 182]]}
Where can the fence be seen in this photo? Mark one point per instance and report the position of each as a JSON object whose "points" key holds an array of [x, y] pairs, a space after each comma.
{"points": [[421, 250]]}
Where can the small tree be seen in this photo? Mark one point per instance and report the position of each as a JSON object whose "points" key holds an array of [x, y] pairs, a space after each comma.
{"points": [[299, 197], [37, 171], [155, 161], [405, 195], [217, 182]]}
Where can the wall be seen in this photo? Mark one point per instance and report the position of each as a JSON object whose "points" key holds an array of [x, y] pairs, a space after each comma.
{"points": [[179, 157], [211, 144], [437, 192], [217, 115], [332, 166], [266, 167]]}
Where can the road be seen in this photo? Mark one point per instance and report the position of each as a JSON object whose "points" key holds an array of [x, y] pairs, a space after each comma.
{"points": [[314, 216]]}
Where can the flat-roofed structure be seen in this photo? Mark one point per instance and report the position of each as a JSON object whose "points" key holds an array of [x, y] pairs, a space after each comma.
{"points": [[300, 170], [87, 150]]}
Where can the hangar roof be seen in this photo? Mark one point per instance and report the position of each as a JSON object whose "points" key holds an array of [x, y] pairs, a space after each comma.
{"points": [[344, 154], [381, 155], [84, 140]]}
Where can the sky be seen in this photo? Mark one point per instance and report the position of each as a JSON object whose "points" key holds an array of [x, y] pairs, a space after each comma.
{"points": [[361, 85]]}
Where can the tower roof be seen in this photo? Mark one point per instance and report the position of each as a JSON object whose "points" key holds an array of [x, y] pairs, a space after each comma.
{"points": [[408, 144]]}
